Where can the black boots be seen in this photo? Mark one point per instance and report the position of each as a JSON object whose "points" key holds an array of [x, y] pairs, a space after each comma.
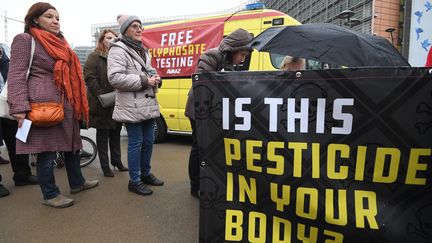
{"points": [[195, 193], [151, 180], [108, 172], [3, 191], [3, 161], [31, 180], [120, 167], [139, 188]]}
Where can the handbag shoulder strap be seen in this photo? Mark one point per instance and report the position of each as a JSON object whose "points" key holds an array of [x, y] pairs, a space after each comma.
{"points": [[32, 50]]}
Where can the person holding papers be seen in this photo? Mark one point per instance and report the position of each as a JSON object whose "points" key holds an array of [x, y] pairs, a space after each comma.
{"points": [[55, 76], [8, 128]]}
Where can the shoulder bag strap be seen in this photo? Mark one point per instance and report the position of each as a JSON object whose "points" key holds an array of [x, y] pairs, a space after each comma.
{"points": [[32, 50]]}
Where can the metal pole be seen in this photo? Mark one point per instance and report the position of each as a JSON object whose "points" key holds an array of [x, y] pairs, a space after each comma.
{"points": [[391, 35], [6, 29]]}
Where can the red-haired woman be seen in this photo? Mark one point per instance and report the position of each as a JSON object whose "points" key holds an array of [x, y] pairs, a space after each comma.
{"points": [[107, 130], [55, 75]]}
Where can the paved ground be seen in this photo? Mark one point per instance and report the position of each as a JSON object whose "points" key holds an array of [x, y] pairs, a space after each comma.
{"points": [[108, 213]]}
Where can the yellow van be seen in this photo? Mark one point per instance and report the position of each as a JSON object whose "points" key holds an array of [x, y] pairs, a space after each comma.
{"points": [[176, 46]]}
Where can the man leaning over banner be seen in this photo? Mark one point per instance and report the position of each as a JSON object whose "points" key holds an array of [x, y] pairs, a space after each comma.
{"points": [[232, 50]]}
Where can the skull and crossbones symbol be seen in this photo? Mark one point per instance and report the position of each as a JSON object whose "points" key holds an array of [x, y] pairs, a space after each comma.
{"points": [[205, 107], [209, 196], [313, 92], [423, 229], [423, 127]]}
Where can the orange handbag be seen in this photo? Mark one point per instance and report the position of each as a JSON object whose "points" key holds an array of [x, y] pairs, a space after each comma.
{"points": [[46, 114]]}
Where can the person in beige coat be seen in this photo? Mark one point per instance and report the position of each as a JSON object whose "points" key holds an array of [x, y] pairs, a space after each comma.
{"points": [[136, 105]]}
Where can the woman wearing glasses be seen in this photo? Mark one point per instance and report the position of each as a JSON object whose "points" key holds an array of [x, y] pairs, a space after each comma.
{"points": [[136, 83]]}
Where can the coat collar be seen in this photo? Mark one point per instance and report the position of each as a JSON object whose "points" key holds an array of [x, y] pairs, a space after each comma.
{"points": [[132, 53], [101, 53]]}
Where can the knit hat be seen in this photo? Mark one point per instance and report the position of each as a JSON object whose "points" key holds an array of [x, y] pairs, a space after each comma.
{"points": [[125, 20]]}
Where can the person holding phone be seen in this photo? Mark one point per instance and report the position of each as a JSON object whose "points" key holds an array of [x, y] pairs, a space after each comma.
{"points": [[136, 81]]}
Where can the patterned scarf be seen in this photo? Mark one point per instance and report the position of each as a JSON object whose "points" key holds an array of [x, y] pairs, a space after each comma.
{"points": [[67, 71]]}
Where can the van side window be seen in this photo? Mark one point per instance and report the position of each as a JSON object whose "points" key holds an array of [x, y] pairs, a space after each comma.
{"points": [[276, 60]]}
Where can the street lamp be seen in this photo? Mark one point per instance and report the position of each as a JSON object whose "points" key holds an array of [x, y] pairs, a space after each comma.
{"points": [[346, 14], [390, 30], [354, 22]]}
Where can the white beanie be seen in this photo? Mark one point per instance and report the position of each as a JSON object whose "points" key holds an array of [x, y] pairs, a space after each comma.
{"points": [[125, 20]]}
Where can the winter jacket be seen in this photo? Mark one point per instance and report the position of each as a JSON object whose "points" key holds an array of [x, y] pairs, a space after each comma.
{"points": [[39, 87], [217, 59], [96, 78], [4, 65], [127, 72]]}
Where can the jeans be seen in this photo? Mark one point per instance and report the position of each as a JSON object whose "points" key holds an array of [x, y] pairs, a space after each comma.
{"points": [[140, 147], [45, 172]]}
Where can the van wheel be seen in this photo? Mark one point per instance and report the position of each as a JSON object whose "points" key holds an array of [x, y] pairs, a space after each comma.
{"points": [[160, 130]]}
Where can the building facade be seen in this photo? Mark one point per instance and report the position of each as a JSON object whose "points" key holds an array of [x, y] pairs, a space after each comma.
{"points": [[82, 53], [379, 17]]}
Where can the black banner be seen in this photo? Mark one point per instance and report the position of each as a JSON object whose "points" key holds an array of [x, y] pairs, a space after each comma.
{"points": [[315, 156]]}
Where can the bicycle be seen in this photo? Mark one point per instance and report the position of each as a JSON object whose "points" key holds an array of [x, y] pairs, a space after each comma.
{"points": [[89, 151], [88, 154]]}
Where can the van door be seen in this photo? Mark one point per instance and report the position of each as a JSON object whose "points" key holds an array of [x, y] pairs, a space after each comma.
{"points": [[175, 50]]}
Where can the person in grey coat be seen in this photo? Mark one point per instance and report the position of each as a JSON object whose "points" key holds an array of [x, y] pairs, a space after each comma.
{"points": [[231, 51], [136, 105], [107, 130]]}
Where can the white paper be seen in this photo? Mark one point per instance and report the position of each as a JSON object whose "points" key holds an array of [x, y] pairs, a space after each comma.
{"points": [[23, 132]]}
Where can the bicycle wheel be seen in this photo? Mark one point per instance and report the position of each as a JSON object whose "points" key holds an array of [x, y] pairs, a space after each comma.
{"points": [[59, 160], [88, 152]]}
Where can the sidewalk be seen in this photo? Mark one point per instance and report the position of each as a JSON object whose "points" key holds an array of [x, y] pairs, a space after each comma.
{"points": [[108, 213]]}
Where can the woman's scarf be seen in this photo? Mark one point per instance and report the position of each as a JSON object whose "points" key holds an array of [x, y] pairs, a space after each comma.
{"points": [[136, 45], [67, 71]]}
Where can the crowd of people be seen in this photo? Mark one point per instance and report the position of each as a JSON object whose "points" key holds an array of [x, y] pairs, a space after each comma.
{"points": [[43, 68], [120, 64], [54, 74], [51, 72]]}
